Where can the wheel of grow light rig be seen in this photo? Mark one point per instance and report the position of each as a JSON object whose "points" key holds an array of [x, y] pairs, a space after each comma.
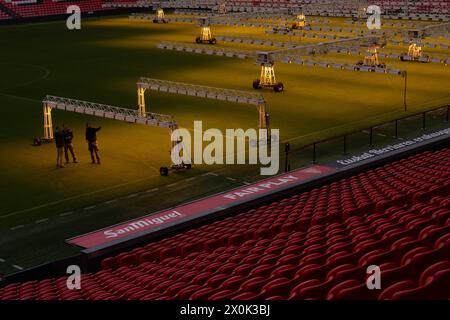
{"points": [[37, 142], [164, 171], [198, 40], [257, 84], [165, 21], [155, 21], [213, 41], [278, 87]]}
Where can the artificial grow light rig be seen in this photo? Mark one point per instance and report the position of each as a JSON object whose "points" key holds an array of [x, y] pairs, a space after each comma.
{"points": [[300, 22], [415, 54], [371, 60], [267, 78], [205, 32], [164, 171], [284, 26], [267, 59], [160, 18]]}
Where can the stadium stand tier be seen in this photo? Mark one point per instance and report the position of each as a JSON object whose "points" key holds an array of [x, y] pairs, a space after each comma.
{"points": [[428, 10], [315, 244], [332, 8], [17, 9]]}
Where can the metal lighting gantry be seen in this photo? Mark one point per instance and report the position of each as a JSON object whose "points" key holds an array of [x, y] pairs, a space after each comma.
{"points": [[205, 25], [433, 30], [291, 54], [206, 19], [102, 111], [200, 91], [325, 47], [110, 112], [219, 51]]}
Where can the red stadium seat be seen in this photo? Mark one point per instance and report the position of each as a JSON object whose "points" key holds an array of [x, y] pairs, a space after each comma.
{"points": [[315, 244]]}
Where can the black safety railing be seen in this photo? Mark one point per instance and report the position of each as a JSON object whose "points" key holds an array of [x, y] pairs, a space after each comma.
{"points": [[343, 139]]}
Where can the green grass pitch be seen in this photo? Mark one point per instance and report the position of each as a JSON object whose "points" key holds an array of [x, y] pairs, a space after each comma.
{"points": [[103, 61]]}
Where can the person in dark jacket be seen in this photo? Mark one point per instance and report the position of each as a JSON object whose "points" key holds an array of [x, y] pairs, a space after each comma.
{"points": [[59, 141], [68, 138], [91, 138]]}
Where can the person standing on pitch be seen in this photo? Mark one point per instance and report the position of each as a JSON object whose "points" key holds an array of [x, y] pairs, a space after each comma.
{"points": [[91, 138], [68, 137], [59, 141]]}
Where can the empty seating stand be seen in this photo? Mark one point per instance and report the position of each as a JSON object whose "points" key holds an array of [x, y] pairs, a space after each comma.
{"points": [[32, 8], [4, 16], [313, 245], [396, 9]]}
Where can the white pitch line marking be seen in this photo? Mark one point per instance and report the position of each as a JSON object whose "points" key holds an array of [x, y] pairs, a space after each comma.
{"points": [[2, 260], [231, 179], [190, 179], [89, 208], [381, 135], [77, 196], [151, 190], [17, 267], [66, 213], [42, 220], [246, 183], [17, 227], [110, 201], [132, 196], [172, 185], [210, 174]]}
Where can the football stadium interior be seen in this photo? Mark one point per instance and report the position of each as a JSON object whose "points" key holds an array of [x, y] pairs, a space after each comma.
{"points": [[352, 98]]}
